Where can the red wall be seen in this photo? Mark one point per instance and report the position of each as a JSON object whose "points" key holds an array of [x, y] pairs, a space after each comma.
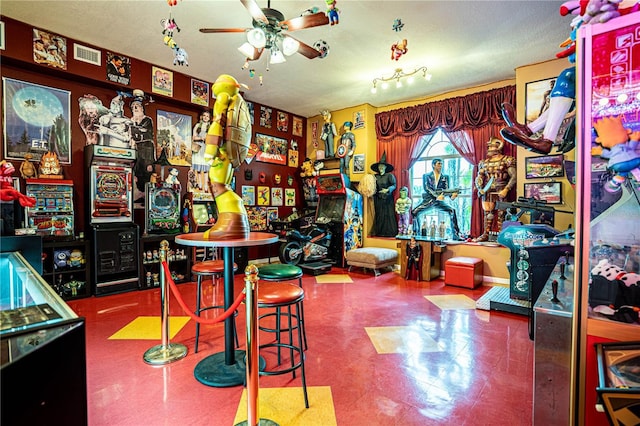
{"points": [[82, 78]]}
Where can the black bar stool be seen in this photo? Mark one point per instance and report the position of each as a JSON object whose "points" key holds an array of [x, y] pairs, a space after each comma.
{"points": [[213, 269]]}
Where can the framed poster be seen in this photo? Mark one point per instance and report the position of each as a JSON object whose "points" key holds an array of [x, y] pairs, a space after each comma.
{"points": [[118, 68], [358, 119], [162, 81], [290, 197], [282, 122], [174, 137], [264, 196], [257, 217], [2, 36], [297, 126], [265, 117], [551, 192], [277, 196], [272, 214], [358, 163], [249, 195], [537, 98], [199, 92], [36, 120], [545, 166], [271, 149], [49, 49]]}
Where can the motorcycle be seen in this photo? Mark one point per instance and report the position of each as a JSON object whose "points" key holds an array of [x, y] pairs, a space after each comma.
{"points": [[302, 247]]}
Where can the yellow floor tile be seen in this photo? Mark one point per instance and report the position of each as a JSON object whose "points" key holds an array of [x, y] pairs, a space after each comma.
{"points": [[452, 301], [402, 339], [285, 406], [333, 279], [149, 328]]}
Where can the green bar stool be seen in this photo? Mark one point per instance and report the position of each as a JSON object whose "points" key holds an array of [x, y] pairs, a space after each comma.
{"points": [[213, 269], [278, 272], [283, 295]]}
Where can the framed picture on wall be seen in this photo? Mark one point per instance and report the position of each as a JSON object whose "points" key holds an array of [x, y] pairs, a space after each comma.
{"points": [[545, 166], [358, 163], [36, 120], [173, 137], [551, 192], [537, 98], [271, 149]]}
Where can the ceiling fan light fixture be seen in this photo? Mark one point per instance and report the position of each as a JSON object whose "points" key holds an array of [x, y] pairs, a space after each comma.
{"points": [[290, 46], [248, 50], [277, 57], [257, 38]]}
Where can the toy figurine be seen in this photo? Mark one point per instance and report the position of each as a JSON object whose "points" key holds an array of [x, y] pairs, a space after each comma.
{"points": [[398, 49], [172, 178], [50, 166], [227, 145], [332, 12], [414, 253], [403, 209], [27, 169], [621, 147], [76, 259], [432, 230], [329, 132], [7, 191], [442, 230]]}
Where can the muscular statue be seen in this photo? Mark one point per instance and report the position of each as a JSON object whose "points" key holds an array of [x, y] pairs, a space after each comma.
{"points": [[496, 177], [227, 144], [403, 210], [436, 185]]}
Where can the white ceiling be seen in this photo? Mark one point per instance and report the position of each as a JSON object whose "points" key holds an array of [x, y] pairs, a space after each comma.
{"points": [[463, 43]]}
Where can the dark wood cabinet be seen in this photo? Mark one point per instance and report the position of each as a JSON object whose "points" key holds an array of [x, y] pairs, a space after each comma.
{"points": [[179, 258], [66, 267]]}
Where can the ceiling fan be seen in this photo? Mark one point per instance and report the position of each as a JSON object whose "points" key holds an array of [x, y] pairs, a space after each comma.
{"points": [[270, 31]]}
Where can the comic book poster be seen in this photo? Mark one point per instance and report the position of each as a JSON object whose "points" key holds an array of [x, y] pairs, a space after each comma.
{"points": [[276, 196], [49, 49], [282, 123], [272, 214], [162, 81], [257, 217], [290, 197], [174, 137], [199, 92], [297, 126], [249, 195], [293, 158], [118, 68], [250, 108], [264, 196], [265, 117], [271, 149]]}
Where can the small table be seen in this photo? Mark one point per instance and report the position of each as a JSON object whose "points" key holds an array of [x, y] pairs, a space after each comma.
{"points": [[431, 253], [226, 368]]}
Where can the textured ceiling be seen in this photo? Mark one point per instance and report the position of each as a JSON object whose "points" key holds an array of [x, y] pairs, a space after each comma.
{"points": [[463, 43]]}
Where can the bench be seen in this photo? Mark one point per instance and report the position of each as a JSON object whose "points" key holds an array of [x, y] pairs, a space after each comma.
{"points": [[374, 258]]}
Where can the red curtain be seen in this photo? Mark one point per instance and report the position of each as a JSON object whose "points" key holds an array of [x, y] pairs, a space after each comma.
{"points": [[478, 116]]}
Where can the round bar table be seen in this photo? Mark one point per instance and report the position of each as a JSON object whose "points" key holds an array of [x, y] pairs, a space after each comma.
{"points": [[226, 368]]}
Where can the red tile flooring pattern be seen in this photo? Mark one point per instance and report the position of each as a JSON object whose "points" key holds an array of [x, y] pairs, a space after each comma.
{"points": [[481, 376]]}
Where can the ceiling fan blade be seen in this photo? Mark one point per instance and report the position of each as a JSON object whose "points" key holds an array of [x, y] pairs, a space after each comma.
{"points": [[222, 30], [306, 50], [255, 11], [306, 21]]}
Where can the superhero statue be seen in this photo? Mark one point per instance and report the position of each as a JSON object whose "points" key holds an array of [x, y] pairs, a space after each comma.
{"points": [[413, 260], [496, 177], [227, 144]]}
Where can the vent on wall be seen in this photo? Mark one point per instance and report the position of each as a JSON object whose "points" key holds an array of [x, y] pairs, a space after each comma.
{"points": [[87, 54]]}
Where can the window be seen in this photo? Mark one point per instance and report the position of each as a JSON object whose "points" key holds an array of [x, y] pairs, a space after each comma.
{"points": [[459, 171]]}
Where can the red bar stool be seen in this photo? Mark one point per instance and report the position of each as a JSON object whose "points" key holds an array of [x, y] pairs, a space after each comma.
{"points": [[278, 272], [282, 295], [213, 269]]}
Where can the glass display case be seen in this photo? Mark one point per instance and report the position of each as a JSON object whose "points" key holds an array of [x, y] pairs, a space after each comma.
{"points": [[607, 199], [42, 350]]}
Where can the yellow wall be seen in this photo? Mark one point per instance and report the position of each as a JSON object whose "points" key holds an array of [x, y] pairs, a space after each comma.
{"points": [[495, 259]]}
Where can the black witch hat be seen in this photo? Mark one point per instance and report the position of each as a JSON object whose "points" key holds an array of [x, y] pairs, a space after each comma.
{"points": [[383, 160]]}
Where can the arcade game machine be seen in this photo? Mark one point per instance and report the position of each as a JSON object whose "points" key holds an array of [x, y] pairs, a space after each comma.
{"points": [[52, 216], [607, 264], [162, 208], [199, 213], [535, 250], [341, 208], [110, 216]]}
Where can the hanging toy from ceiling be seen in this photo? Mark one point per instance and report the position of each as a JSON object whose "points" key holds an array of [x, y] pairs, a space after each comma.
{"points": [[397, 25], [169, 28], [332, 12], [398, 49]]}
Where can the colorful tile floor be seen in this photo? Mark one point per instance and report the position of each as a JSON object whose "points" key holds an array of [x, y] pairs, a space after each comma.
{"points": [[382, 351]]}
